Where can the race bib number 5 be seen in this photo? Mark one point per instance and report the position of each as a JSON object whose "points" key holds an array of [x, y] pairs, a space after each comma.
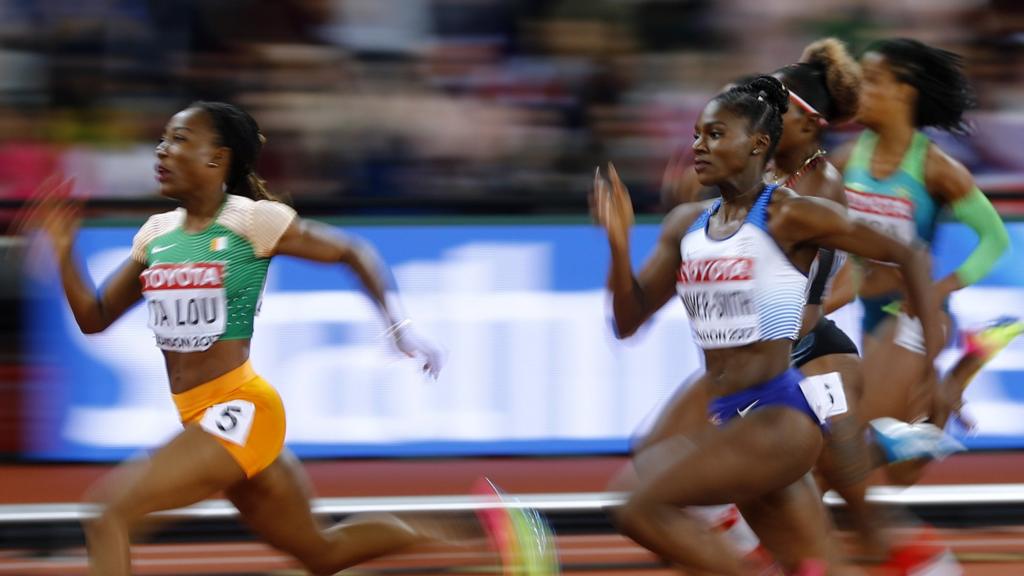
{"points": [[825, 394], [186, 304], [231, 420]]}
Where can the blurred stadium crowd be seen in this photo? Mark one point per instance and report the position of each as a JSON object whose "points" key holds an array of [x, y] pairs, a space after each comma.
{"points": [[448, 103]]}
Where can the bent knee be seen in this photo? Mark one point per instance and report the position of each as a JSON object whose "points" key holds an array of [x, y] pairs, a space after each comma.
{"points": [[316, 555], [634, 514], [625, 479], [106, 512], [107, 521]]}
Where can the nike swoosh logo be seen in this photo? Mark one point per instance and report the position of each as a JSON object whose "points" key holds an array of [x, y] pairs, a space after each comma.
{"points": [[750, 407], [158, 249]]}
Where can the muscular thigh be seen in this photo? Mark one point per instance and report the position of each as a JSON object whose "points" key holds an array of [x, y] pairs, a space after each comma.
{"points": [[686, 413], [276, 504], [189, 468], [897, 382], [765, 451]]}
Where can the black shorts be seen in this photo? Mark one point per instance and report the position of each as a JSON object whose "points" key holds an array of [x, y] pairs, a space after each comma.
{"points": [[824, 339]]}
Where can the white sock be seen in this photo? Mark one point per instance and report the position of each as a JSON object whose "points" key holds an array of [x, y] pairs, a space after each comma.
{"points": [[727, 519]]}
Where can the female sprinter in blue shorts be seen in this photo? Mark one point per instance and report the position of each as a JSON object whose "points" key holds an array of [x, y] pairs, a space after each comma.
{"points": [[740, 266], [823, 89], [201, 270], [899, 181]]}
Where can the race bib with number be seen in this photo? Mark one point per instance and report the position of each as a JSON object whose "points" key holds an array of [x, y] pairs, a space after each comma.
{"points": [[231, 420], [719, 297], [824, 393], [888, 214], [909, 334], [186, 304]]}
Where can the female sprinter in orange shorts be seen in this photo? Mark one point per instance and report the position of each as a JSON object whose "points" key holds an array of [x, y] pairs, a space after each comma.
{"points": [[201, 269], [740, 267]]}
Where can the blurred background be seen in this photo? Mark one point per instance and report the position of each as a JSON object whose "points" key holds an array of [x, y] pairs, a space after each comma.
{"points": [[444, 105], [459, 136]]}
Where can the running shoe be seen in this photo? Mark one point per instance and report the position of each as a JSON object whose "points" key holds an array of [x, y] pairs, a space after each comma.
{"points": [[923, 555], [902, 441], [519, 534], [991, 339]]}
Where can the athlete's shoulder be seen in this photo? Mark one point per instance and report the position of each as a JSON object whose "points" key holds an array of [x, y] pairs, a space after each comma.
{"points": [[824, 181], [261, 222], [786, 200], [680, 218], [155, 226], [782, 194], [163, 221], [791, 209], [946, 177], [783, 203], [246, 216], [795, 219]]}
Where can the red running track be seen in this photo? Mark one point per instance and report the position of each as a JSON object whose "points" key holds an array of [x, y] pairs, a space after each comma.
{"points": [[989, 552], [21, 484], [983, 552]]}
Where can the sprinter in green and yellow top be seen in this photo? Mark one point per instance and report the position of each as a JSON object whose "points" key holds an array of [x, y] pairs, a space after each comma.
{"points": [[203, 287], [201, 270], [900, 181]]}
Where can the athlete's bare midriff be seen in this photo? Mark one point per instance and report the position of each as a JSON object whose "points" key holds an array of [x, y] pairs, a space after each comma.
{"points": [[186, 370], [731, 370]]}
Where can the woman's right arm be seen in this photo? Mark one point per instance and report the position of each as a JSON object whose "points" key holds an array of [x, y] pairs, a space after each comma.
{"points": [[93, 310], [635, 298]]}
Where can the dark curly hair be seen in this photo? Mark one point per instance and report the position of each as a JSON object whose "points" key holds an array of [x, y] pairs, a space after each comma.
{"points": [[762, 100], [826, 77], [943, 92]]}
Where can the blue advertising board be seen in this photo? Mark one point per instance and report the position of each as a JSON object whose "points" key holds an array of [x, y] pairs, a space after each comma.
{"points": [[520, 310]]}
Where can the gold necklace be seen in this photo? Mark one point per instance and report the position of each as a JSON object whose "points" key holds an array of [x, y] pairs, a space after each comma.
{"points": [[799, 171]]}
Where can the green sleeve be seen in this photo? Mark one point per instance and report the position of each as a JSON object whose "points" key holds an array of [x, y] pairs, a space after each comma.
{"points": [[993, 241]]}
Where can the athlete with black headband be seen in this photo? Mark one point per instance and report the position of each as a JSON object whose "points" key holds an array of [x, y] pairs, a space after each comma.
{"points": [[823, 90], [740, 266]]}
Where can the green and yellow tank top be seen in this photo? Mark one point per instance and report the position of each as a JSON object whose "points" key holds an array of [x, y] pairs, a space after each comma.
{"points": [[900, 204], [201, 287]]}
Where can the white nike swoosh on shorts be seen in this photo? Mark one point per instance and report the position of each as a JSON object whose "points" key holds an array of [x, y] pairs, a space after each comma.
{"points": [[749, 407]]}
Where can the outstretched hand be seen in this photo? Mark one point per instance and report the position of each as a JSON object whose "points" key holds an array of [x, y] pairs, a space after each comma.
{"points": [[52, 211], [611, 206], [414, 346]]}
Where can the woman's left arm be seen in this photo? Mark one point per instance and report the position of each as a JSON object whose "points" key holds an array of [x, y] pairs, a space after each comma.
{"points": [[950, 182], [319, 242]]}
